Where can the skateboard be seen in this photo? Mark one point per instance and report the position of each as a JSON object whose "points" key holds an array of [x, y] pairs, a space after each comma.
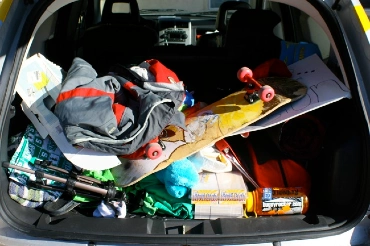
{"points": [[206, 126]]}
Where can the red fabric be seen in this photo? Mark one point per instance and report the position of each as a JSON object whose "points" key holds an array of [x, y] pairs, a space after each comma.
{"points": [[161, 72], [118, 111], [268, 174], [128, 86], [271, 68], [83, 92]]}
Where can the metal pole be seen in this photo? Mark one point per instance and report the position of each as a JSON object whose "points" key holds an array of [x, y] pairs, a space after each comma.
{"points": [[59, 179]]}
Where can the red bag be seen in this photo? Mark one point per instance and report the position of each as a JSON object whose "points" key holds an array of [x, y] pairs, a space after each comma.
{"points": [[271, 68], [278, 172]]}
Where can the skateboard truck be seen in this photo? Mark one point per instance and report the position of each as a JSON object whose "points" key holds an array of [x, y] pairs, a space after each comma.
{"points": [[254, 89]]}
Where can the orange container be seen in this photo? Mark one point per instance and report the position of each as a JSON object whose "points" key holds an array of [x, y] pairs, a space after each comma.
{"points": [[277, 201]]}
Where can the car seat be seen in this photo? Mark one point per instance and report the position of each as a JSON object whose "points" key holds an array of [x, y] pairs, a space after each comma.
{"points": [[216, 39], [119, 37], [250, 36]]}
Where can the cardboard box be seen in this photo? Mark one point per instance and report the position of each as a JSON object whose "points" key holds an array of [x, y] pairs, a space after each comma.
{"points": [[219, 188], [216, 211], [206, 191], [232, 188]]}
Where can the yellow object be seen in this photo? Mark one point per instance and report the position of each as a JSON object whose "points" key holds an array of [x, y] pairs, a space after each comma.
{"points": [[363, 17], [222, 159], [250, 201], [4, 9], [43, 81]]}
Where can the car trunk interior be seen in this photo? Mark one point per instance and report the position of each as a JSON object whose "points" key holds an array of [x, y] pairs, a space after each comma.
{"points": [[338, 171]]}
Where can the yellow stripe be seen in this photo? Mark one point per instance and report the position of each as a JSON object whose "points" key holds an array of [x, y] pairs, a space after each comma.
{"points": [[363, 17], [4, 8]]}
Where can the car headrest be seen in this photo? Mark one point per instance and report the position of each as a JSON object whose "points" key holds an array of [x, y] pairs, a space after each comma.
{"points": [[111, 16], [248, 25], [221, 24], [254, 20]]}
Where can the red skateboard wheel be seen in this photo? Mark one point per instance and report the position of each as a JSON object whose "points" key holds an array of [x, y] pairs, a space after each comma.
{"points": [[244, 74], [266, 93], [153, 151]]}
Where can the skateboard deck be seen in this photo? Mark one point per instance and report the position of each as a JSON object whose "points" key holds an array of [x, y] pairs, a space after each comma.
{"points": [[206, 126]]}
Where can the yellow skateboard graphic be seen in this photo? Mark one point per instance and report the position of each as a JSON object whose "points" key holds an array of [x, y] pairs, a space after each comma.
{"points": [[208, 125]]}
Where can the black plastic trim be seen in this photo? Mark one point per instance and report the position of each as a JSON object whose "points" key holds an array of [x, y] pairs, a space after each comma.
{"points": [[235, 234]]}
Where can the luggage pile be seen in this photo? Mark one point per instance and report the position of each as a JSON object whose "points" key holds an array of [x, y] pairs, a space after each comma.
{"points": [[126, 118]]}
